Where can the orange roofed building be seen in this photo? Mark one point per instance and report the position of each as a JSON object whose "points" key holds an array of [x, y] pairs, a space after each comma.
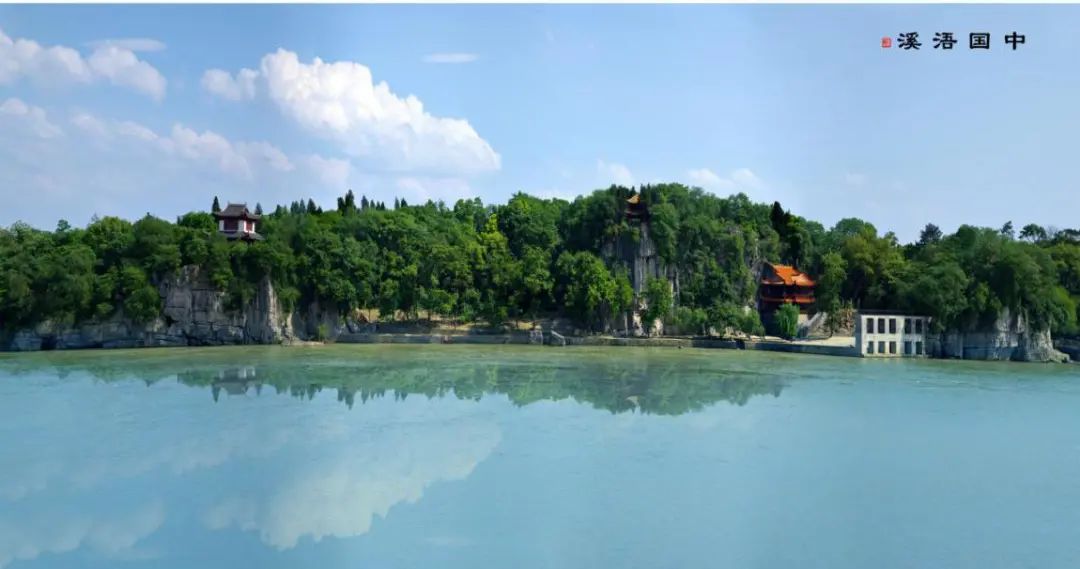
{"points": [[784, 284]]}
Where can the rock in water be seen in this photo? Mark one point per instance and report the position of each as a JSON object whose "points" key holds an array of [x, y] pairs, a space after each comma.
{"points": [[557, 339]]}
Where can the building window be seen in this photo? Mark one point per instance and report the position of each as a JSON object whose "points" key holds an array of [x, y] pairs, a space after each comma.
{"points": [[918, 348], [869, 347], [918, 326], [869, 325], [881, 347], [907, 348], [881, 325], [907, 325], [892, 325], [892, 347]]}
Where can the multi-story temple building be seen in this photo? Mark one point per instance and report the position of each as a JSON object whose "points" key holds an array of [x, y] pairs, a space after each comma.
{"points": [[236, 222], [784, 284]]}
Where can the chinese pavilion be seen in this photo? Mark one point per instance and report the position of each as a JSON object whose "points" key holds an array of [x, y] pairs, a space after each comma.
{"points": [[635, 210], [784, 284], [236, 222]]}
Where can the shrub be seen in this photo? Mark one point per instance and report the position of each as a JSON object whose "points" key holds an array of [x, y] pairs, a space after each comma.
{"points": [[787, 321]]}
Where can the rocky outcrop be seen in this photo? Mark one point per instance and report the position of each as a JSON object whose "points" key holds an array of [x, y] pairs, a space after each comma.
{"points": [[1008, 338], [1070, 346], [193, 314]]}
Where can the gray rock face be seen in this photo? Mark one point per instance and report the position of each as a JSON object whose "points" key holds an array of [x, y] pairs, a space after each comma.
{"points": [[536, 336], [556, 339], [193, 314], [1009, 338]]}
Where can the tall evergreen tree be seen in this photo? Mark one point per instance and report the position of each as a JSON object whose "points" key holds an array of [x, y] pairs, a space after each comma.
{"points": [[216, 207], [930, 234]]}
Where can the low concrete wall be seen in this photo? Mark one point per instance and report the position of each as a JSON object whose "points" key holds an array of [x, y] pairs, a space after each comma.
{"points": [[523, 338], [821, 350], [489, 339]]}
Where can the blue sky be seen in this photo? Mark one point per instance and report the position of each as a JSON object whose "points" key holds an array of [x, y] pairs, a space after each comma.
{"points": [[795, 103]]}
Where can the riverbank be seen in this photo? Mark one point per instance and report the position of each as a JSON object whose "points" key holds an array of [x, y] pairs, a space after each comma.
{"points": [[555, 339], [842, 346]]}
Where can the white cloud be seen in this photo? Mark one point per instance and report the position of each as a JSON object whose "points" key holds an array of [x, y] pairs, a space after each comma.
{"points": [[744, 178], [554, 193], [28, 119], [239, 159], [740, 180], [614, 173], [130, 44], [123, 68], [87, 164], [224, 85], [706, 178], [333, 172], [417, 190], [56, 65], [340, 101], [450, 58]]}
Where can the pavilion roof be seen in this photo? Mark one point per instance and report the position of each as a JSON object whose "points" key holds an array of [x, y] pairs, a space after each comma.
{"points": [[788, 276], [236, 211]]}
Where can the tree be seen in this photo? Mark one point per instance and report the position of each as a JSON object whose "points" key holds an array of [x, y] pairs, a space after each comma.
{"points": [[930, 234], [623, 297], [787, 321], [141, 300], [1034, 233], [533, 257], [1007, 230], [658, 301], [258, 208], [536, 280], [724, 316], [751, 324], [586, 287], [216, 207], [829, 286]]}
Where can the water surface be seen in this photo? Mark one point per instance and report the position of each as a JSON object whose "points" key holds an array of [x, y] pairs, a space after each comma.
{"points": [[469, 456]]}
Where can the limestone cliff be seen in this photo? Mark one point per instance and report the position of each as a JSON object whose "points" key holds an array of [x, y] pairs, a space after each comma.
{"points": [[1007, 338], [193, 314]]}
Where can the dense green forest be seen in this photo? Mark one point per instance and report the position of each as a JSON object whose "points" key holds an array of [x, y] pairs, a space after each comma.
{"points": [[533, 257]]}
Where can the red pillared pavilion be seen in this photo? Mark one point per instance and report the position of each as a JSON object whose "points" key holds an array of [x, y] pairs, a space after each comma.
{"points": [[784, 284]]}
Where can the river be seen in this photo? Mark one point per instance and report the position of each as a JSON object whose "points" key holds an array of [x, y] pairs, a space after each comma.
{"points": [[395, 456]]}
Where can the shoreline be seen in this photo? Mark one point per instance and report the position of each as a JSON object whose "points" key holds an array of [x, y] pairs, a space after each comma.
{"points": [[553, 340], [525, 338]]}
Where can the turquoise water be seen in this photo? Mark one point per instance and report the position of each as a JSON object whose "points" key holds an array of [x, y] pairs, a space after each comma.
{"points": [[466, 457]]}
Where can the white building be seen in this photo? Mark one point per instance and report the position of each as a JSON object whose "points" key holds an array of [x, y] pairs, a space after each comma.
{"points": [[881, 334]]}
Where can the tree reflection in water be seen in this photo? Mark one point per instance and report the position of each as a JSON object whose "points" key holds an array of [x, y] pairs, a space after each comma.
{"points": [[661, 384]]}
